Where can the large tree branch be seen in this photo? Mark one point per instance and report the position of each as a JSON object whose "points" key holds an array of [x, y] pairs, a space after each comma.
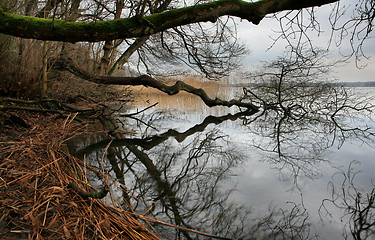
{"points": [[145, 80], [59, 30]]}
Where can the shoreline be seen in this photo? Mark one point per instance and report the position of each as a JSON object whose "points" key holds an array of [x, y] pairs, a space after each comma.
{"points": [[35, 201]]}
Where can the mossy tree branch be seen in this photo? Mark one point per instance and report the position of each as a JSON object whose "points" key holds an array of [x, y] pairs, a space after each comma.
{"points": [[145, 80], [59, 30]]}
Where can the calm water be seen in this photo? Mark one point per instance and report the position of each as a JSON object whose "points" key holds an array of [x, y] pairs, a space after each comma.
{"points": [[231, 174]]}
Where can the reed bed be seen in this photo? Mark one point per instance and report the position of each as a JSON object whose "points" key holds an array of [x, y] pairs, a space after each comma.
{"points": [[35, 202]]}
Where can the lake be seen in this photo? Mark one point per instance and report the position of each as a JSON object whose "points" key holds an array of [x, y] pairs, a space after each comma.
{"points": [[232, 174]]}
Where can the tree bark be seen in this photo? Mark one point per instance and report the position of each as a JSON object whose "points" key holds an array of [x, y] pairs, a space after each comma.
{"points": [[109, 47], [59, 30], [44, 70], [109, 44]]}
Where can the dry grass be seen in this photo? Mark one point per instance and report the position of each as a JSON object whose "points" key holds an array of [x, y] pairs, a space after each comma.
{"points": [[195, 81], [184, 101], [35, 202]]}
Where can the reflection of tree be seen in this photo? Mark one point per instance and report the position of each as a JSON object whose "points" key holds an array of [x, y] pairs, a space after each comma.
{"points": [[356, 203], [285, 224], [303, 114], [181, 184], [184, 180]]}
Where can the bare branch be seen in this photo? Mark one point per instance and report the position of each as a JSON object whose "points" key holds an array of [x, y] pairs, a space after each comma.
{"points": [[68, 64]]}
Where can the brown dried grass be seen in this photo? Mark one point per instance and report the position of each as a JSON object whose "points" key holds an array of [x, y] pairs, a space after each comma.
{"points": [[35, 202]]}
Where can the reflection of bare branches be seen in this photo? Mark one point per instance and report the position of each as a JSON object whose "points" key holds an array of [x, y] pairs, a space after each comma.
{"points": [[285, 224], [176, 186], [150, 142], [131, 115], [182, 185], [138, 112], [302, 114], [178, 227], [357, 204], [346, 107]]}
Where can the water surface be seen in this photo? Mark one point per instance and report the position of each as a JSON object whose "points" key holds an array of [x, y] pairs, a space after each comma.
{"points": [[219, 170]]}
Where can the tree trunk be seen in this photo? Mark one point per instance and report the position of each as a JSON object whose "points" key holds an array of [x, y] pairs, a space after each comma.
{"points": [[127, 54], [44, 70], [104, 61], [109, 45]]}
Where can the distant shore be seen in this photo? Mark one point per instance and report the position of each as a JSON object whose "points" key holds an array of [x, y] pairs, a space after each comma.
{"points": [[356, 84], [343, 84]]}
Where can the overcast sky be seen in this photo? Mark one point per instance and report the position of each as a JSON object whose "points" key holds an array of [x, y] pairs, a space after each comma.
{"points": [[259, 38]]}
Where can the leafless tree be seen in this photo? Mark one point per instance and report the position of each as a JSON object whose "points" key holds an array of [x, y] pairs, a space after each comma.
{"points": [[181, 185], [302, 113]]}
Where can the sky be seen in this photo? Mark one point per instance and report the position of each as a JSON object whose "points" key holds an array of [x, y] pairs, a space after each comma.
{"points": [[258, 38]]}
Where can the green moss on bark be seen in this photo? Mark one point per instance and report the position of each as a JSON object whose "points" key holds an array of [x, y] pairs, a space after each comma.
{"points": [[58, 30]]}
